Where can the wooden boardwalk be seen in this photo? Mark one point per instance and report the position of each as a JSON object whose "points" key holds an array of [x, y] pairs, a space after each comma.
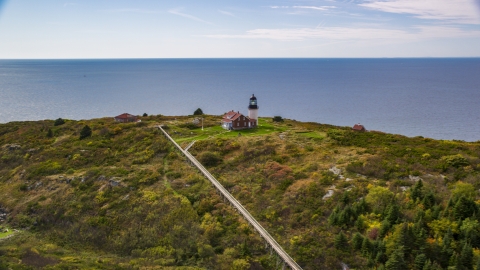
{"points": [[287, 260]]}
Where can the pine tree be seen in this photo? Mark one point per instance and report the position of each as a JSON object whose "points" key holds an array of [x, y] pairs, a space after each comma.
{"points": [[393, 213], [436, 266], [366, 246], [446, 252], [453, 261], [384, 228], [59, 122], [428, 200], [85, 132], [466, 257], [357, 241], [360, 223], [403, 238], [464, 208], [420, 261], [345, 199], [381, 257], [427, 265], [49, 133], [333, 218], [421, 240], [198, 112], [341, 241], [417, 191], [396, 260]]}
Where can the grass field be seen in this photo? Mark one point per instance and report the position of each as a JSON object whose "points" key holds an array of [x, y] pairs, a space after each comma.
{"points": [[264, 127], [5, 234]]}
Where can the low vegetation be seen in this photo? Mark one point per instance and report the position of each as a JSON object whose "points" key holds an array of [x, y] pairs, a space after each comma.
{"points": [[124, 198]]}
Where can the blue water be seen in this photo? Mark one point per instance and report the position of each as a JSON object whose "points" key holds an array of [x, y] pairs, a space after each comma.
{"points": [[436, 98]]}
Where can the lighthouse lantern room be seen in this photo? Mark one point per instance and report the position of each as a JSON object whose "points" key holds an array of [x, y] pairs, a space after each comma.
{"points": [[253, 109]]}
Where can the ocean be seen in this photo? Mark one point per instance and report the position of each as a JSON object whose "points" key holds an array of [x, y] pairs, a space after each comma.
{"points": [[435, 98]]}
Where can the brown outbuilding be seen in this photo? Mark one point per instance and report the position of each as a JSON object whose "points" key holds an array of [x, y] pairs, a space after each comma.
{"points": [[358, 127], [125, 118]]}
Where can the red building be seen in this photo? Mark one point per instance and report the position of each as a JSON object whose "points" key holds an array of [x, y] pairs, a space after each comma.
{"points": [[235, 120], [125, 118], [358, 127]]}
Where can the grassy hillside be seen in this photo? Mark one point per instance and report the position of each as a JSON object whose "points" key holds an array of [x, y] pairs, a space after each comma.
{"points": [[123, 198]]}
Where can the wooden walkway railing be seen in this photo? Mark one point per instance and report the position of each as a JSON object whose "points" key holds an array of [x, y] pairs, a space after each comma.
{"points": [[287, 260]]}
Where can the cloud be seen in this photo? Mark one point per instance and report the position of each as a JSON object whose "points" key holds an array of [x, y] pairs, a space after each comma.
{"points": [[68, 4], [133, 10], [177, 12], [315, 8], [352, 33], [226, 13], [322, 8], [457, 11]]}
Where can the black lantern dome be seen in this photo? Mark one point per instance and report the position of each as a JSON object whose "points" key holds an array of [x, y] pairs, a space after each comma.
{"points": [[253, 103]]}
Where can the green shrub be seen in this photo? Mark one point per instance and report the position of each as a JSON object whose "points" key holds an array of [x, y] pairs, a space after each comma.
{"points": [[209, 158], [277, 119], [198, 112], [85, 132], [59, 122], [48, 167], [454, 161]]}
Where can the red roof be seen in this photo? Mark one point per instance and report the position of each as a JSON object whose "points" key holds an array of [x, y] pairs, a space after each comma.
{"points": [[358, 127], [125, 116], [232, 116]]}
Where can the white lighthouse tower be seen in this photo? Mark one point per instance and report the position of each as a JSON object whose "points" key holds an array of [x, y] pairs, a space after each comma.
{"points": [[253, 109]]}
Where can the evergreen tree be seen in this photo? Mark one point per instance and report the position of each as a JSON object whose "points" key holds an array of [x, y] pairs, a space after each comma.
{"points": [[427, 265], [447, 240], [420, 214], [428, 200], [85, 132], [49, 133], [381, 250], [447, 251], [464, 208], [366, 246], [333, 218], [420, 261], [360, 223], [436, 211], [198, 112], [396, 260], [357, 241], [453, 261], [403, 238], [345, 199], [421, 240], [381, 257], [360, 207], [343, 218], [59, 122], [417, 191], [436, 266], [384, 228], [341, 241], [465, 260], [393, 213]]}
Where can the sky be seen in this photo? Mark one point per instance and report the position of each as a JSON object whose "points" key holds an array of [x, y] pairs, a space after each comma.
{"points": [[52, 29]]}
